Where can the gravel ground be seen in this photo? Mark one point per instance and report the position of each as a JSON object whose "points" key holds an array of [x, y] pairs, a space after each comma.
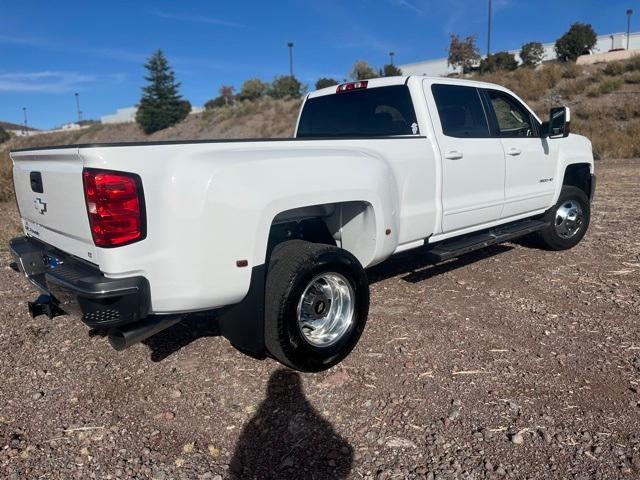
{"points": [[508, 363]]}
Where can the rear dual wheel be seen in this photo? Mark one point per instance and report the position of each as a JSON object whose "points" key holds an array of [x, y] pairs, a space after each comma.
{"points": [[316, 304]]}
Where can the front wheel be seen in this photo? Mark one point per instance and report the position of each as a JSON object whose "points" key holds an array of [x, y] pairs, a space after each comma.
{"points": [[316, 305], [568, 220]]}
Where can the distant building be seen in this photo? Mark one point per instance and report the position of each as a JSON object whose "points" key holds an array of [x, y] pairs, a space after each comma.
{"points": [[18, 130], [439, 67], [122, 115], [70, 126], [128, 115]]}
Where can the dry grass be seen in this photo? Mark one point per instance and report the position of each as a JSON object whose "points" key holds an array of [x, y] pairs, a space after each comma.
{"points": [[529, 84], [267, 118], [605, 100], [12, 225], [632, 77], [611, 139]]}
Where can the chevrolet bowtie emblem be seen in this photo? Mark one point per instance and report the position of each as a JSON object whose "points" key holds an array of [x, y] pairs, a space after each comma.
{"points": [[41, 206]]}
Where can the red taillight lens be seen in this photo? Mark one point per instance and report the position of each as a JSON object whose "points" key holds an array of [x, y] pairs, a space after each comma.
{"points": [[346, 87], [115, 204]]}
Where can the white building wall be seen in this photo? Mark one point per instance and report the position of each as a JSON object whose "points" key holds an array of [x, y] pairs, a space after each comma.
{"points": [[122, 115], [128, 115], [439, 66]]}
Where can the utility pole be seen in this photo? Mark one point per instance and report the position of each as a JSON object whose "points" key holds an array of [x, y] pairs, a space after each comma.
{"points": [[629, 13], [78, 107], [391, 55], [489, 32], [290, 45], [26, 126]]}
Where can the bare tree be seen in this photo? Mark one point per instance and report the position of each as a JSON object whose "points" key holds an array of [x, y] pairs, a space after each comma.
{"points": [[361, 70], [226, 92], [463, 54]]}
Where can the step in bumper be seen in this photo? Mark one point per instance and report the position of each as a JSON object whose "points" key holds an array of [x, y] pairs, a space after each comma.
{"points": [[79, 287]]}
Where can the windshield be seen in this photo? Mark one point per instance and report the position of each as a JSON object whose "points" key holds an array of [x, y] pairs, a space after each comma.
{"points": [[374, 112]]}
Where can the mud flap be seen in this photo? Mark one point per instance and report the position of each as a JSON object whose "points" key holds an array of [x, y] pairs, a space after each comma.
{"points": [[243, 324]]}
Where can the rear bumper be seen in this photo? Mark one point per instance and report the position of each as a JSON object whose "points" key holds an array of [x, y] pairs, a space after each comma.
{"points": [[78, 287]]}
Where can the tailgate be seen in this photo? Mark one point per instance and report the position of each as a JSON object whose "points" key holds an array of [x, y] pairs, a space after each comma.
{"points": [[51, 200]]}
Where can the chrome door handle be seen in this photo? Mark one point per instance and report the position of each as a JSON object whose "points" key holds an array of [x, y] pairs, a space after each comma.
{"points": [[514, 151], [454, 155]]}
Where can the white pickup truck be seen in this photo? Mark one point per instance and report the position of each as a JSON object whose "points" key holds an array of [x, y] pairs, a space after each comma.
{"points": [[273, 236]]}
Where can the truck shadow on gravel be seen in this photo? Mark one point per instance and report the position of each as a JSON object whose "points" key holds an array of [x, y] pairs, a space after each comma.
{"points": [[174, 338], [288, 438], [416, 268], [413, 266]]}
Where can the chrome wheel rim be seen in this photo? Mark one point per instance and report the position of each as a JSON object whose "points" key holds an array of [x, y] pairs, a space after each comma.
{"points": [[569, 219], [326, 309]]}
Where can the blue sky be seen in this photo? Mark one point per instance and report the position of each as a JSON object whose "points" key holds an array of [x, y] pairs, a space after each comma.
{"points": [[50, 50]]}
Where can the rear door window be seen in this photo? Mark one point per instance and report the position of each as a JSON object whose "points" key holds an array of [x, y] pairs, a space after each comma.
{"points": [[460, 110], [371, 112]]}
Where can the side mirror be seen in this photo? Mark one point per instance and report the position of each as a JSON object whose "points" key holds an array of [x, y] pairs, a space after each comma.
{"points": [[559, 123]]}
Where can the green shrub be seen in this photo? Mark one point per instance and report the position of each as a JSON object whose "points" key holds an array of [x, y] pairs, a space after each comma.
{"points": [[286, 86], [390, 71], [325, 82], [531, 54], [214, 103], [253, 89], [579, 40], [498, 61]]}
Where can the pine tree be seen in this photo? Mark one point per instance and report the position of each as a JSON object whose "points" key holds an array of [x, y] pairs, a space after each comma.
{"points": [[161, 104]]}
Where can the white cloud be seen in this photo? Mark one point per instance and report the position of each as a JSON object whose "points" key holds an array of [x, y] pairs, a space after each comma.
{"points": [[50, 81], [197, 19], [409, 5], [55, 45]]}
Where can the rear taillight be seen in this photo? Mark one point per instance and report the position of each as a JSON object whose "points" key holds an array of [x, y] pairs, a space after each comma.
{"points": [[115, 204]]}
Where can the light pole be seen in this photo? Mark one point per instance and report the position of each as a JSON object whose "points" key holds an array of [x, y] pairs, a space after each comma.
{"points": [[26, 126], [391, 55], [489, 32], [78, 107], [290, 45], [629, 13]]}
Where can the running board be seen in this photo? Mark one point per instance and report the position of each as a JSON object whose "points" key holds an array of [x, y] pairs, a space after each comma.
{"points": [[455, 247]]}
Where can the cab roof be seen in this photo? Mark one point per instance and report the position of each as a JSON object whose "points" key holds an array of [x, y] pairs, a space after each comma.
{"points": [[403, 80]]}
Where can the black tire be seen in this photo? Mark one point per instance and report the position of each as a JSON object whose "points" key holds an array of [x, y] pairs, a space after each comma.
{"points": [[292, 266], [550, 236]]}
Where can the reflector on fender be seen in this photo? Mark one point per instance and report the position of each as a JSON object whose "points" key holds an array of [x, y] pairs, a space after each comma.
{"points": [[346, 87], [115, 205]]}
